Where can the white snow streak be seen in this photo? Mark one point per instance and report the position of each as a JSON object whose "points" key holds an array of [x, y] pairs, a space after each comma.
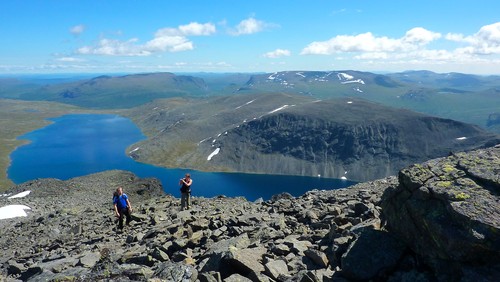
{"points": [[353, 81], [247, 103], [20, 195], [215, 152], [301, 74], [134, 150], [278, 109], [461, 138], [204, 140]]}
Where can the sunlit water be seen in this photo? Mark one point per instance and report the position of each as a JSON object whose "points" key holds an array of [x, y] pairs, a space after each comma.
{"points": [[76, 145]]}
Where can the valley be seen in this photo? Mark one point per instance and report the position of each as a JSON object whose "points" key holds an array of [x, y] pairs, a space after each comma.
{"points": [[339, 124]]}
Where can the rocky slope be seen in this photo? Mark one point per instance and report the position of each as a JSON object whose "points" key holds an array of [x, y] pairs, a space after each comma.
{"points": [[283, 134], [438, 221]]}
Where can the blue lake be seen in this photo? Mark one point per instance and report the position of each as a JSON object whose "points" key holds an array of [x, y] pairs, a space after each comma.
{"points": [[76, 145]]}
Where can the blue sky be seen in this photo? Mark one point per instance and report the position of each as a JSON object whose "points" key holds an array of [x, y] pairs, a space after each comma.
{"points": [[69, 36]]}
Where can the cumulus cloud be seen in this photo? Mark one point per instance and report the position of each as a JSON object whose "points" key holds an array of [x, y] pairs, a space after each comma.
{"points": [[249, 26], [165, 40], [413, 48], [420, 36], [485, 42], [191, 29], [367, 42], [77, 29], [277, 53], [197, 29]]}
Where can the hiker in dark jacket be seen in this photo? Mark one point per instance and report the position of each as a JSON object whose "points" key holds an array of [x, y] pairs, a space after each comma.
{"points": [[122, 207], [185, 184]]}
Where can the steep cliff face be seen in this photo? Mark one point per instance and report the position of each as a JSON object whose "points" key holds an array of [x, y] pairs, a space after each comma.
{"points": [[296, 135], [354, 139]]}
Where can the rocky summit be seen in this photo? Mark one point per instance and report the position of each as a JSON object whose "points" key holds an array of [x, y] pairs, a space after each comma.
{"points": [[436, 221]]}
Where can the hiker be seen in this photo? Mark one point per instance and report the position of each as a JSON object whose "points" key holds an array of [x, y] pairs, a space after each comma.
{"points": [[186, 191], [122, 207]]}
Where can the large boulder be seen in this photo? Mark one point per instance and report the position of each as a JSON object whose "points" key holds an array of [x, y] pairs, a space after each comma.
{"points": [[372, 254], [448, 209]]}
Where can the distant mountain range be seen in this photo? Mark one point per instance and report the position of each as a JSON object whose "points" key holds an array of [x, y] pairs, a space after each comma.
{"points": [[298, 135], [468, 98], [118, 92], [351, 124]]}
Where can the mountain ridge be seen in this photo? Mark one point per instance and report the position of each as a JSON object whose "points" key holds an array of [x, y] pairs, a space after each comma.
{"points": [[298, 136], [446, 95]]}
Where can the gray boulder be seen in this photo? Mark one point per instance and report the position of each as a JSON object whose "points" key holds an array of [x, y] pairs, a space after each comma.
{"points": [[449, 208], [371, 254]]}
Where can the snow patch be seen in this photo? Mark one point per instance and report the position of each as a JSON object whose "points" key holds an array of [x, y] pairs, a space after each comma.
{"points": [[12, 211], [353, 81], [203, 140], [134, 150], [345, 76], [20, 195], [247, 103], [215, 152], [461, 138], [349, 102], [343, 178], [301, 74], [278, 109], [271, 77], [358, 90]]}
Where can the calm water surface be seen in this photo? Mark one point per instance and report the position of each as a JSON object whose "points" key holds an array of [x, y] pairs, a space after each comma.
{"points": [[76, 145]]}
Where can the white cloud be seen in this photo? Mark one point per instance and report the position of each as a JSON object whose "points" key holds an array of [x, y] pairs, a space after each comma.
{"points": [[249, 26], [167, 43], [113, 47], [77, 29], [420, 36], [70, 59], [191, 29], [165, 40], [197, 29], [367, 42], [277, 53], [485, 42], [372, 55]]}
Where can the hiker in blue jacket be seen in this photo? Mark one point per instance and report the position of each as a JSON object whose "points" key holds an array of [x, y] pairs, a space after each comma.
{"points": [[122, 207]]}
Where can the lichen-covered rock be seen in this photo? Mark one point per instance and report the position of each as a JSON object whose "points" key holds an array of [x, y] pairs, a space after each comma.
{"points": [[449, 208]]}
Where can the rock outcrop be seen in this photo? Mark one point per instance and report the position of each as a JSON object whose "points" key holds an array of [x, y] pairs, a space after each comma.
{"points": [[448, 211], [437, 222]]}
